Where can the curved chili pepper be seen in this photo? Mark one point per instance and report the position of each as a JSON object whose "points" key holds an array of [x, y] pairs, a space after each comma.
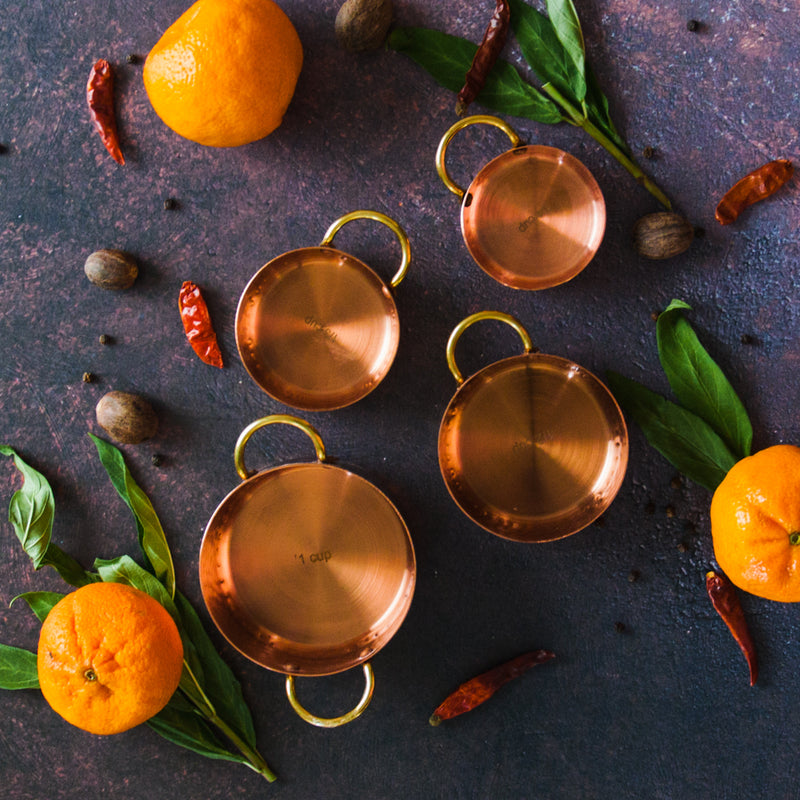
{"points": [[197, 324], [493, 40], [755, 186], [480, 688], [100, 97], [726, 603]]}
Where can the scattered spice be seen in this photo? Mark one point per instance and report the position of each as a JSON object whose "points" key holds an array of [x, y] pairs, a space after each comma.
{"points": [[87, 377], [649, 152], [693, 25], [726, 603], [619, 627], [634, 576], [197, 324], [480, 688], [3, 149], [675, 483], [100, 97], [132, 58], [157, 459], [748, 339], [105, 339], [683, 547], [170, 204], [494, 38], [670, 511], [756, 185]]}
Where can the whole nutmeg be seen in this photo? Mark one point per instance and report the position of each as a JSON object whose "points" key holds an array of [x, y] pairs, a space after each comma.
{"points": [[111, 269], [127, 418], [363, 24], [662, 235]]}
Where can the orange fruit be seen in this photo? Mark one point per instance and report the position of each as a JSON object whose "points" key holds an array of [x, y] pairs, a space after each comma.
{"points": [[224, 72], [755, 523], [110, 657]]}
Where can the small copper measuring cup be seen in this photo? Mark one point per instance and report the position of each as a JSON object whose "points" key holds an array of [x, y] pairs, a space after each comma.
{"points": [[307, 569], [533, 217], [533, 447], [316, 328]]}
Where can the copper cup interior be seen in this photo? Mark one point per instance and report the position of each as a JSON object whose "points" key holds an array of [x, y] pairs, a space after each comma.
{"points": [[533, 217], [307, 569], [317, 329], [533, 448]]}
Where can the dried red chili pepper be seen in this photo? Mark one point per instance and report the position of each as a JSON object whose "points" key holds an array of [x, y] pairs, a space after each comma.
{"points": [[197, 324], [755, 186], [100, 97], [480, 688], [726, 603], [494, 38]]}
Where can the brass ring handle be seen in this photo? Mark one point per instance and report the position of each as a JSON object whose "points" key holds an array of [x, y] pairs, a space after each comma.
{"points": [[333, 722], [477, 317], [484, 119], [286, 419], [376, 216]]}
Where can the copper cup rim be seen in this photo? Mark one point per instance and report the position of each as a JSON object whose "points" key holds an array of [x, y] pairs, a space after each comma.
{"points": [[347, 395], [500, 272], [494, 523], [308, 660]]}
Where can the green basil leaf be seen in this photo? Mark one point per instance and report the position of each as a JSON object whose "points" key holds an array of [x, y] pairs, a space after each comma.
{"points": [[698, 382], [31, 512], [218, 681], [123, 569], [544, 52], [565, 22], [40, 602], [152, 539], [448, 58], [684, 439], [180, 724], [18, 668], [600, 112]]}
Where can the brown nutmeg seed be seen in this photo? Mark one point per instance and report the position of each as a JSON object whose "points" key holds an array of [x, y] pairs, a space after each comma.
{"points": [[363, 24], [127, 418], [662, 235], [111, 269]]}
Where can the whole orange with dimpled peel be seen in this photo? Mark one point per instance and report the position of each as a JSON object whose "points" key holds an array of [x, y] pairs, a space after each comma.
{"points": [[755, 523], [224, 72], [109, 657]]}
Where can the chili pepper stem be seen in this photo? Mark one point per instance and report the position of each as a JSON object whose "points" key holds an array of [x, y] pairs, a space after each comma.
{"points": [[206, 708], [580, 120]]}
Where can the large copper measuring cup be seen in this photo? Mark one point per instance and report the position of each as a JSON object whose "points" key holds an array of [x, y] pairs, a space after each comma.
{"points": [[316, 328], [532, 448], [533, 217], [307, 569]]}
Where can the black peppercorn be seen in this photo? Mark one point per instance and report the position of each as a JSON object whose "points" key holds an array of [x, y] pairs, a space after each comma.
{"points": [[649, 152], [619, 627], [747, 339], [693, 25], [633, 576], [157, 459], [170, 204], [132, 58], [3, 149], [87, 377], [669, 511]]}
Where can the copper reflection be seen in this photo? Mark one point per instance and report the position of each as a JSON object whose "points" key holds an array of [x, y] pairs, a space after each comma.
{"points": [[307, 569], [317, 329], [533, 217], [533, 448]]}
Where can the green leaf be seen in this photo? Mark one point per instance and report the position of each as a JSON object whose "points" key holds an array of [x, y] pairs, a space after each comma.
{"points": [[123, 569], [218, 681], [448, 58], [698, 382], [564, 19], [180, 724], [31, 512], [600, 113], [683, 438], [546, 55], [17, 668], [152, 539], [40, 602]]}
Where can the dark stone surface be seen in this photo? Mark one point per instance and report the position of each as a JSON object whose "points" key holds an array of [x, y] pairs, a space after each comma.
{"points": [[660, 709]]}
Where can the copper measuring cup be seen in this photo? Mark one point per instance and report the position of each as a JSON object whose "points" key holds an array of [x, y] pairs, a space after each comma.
{"points": [[533, 217], [532, 448], [318, 329], [307, 569]]}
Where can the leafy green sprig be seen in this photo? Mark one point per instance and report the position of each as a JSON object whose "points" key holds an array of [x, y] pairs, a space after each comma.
{"points": [[708, 430], [207, 713], [554, 48]]}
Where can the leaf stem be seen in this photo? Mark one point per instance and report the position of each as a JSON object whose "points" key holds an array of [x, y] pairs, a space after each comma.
{"points": [[254, 759], [579, 119]]}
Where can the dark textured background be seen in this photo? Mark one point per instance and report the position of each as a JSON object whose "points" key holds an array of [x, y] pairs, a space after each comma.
{"points": [[660, 710]]}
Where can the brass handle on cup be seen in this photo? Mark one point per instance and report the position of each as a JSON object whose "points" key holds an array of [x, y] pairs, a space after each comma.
{"points": [[333, 722], [484, 119], [286, 419], [477, 317], [376, 216]]}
